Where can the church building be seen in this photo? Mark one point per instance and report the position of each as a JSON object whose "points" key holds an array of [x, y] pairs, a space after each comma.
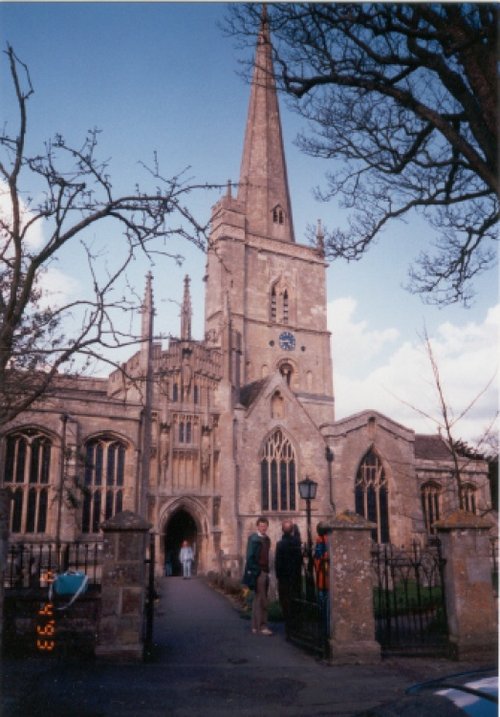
{"points": [[201, 437]]}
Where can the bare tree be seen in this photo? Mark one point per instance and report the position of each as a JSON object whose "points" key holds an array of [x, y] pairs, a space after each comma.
{"points": [[403, 98], [74, 193], [461, 453]]}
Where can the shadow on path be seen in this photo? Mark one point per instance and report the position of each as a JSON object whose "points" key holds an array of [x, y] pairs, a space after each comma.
{"points": [[207, 664]]}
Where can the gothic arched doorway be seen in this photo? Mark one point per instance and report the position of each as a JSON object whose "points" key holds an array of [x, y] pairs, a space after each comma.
{"points": [[180, 526]]}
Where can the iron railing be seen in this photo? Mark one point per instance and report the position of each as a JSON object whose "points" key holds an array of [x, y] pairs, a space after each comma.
{"points": [[409, 604], [33, 565]]}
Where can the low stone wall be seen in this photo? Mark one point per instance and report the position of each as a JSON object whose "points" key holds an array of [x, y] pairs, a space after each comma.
{"points": [[32, 625]]}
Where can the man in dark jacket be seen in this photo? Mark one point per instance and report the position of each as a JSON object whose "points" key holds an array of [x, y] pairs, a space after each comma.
{"points": [[256, 575], [288, 566]]}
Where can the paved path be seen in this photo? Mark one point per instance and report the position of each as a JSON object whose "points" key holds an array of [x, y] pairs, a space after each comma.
{"points": [[207, 664]]}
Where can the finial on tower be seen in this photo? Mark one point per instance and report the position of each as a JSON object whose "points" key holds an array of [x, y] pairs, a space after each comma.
{"points": [[147, 309], [320, 238], [186, 312]]}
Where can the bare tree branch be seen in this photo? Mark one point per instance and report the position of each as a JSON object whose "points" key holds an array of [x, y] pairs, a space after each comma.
{"points": [[75, 194], [403, 99]]}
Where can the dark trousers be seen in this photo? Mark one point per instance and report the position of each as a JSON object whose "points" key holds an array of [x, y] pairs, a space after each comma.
{"points": [[287, 590]]}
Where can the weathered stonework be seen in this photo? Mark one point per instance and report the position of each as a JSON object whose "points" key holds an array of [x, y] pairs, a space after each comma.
{"points": [[188, 455], [352, 624], [470, 605], [123, 588]]}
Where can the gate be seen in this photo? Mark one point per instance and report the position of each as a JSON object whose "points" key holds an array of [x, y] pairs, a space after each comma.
{"points": [[149, 604], [309, 613], [410, 612]]}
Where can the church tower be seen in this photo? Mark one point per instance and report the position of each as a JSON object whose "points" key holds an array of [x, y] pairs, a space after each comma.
{"points": [[266, 312], [275, 287]]}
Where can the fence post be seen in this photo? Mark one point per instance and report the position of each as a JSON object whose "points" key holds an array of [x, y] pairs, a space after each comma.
{"points": [[121, 629], [352, 620], [468, 586], [4, 544]]}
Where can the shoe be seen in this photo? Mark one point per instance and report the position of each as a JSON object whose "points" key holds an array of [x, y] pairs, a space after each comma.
{"points": [[254, 631], [265, 631]]}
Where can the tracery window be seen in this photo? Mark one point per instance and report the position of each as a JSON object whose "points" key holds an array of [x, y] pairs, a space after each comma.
{"points": [[103, 481], [468, 502], [278, 474], [279, 309], [27, 473], [185, 429], [372, 497], [431, 504]]}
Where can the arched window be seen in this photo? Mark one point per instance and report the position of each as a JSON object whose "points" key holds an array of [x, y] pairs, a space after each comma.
{"points": [[104, 481], [273, 303], [278, 215], [27, 473], [431, 504], [278, 474], [285, 307], [468, 501], [371, 496]]}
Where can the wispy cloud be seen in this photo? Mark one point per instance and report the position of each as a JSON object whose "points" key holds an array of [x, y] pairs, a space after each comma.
{"points": [[373, 371]]}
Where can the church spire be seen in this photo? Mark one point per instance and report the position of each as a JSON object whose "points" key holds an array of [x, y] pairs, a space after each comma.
{"points": [[186, 312], [263, 183]]}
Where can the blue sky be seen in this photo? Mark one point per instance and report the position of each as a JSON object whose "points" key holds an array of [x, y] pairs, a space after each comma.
{"points": [[162, 77]]}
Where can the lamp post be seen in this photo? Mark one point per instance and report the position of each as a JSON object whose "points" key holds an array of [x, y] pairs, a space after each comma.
{"points": [[307, 490]]}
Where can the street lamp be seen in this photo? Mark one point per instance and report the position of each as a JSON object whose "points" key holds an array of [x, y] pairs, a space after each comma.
{"points": [[307, 490]]}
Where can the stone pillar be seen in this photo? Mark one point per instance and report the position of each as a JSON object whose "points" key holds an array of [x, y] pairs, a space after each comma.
{"points": [[468, 586], [123, 588], [4, 544], [352, 621]]}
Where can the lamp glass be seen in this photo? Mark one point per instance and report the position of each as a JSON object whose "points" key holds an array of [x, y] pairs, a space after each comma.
{"points": [[307, 489]]}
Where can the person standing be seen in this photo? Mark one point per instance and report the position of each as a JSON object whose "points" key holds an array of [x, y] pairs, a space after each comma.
{"points": [[186, 556], [256, 575], [321, 569], [288, 567]]}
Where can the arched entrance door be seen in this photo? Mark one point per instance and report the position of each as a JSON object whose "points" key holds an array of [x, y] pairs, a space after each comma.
{"points": [[181, 526]]}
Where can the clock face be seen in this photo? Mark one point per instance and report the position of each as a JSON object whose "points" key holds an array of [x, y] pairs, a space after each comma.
{"points": [[287, 341]]}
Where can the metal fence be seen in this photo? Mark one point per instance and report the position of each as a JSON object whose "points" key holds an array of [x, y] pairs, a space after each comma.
{"points": [[33, 565], [310, 610], [409, 605]]}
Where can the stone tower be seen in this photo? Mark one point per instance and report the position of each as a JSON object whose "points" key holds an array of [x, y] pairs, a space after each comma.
{"points": [[265, 308], [275, 288]]}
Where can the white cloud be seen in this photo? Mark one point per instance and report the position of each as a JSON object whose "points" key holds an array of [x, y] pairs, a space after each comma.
{"points": [[353, 342], [58, 288], [466, 355], [34, 235]]}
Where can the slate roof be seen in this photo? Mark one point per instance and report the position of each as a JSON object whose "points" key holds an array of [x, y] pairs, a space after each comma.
{"points": [[431, 448], [249, 393]]}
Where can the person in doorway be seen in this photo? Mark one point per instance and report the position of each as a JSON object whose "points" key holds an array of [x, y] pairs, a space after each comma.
{"points": [[288, 566], [256, 575], [186, 556], [169, 563]]}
